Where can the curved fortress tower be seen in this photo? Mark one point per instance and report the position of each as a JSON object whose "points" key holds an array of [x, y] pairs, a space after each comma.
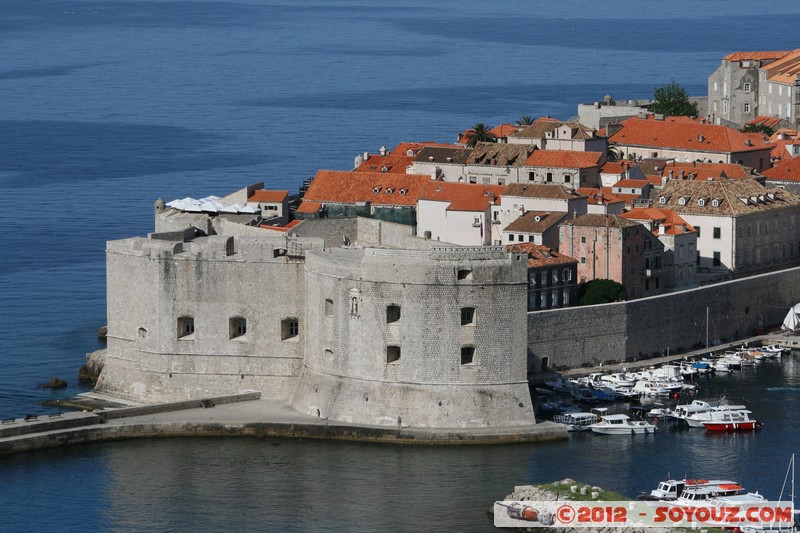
{"points": [[434, 338], [423, 338]]}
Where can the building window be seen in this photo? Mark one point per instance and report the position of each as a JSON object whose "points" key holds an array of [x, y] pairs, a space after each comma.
{"points": [[717, 233], [567, 178], [510, 237], [747, 107], [467, 316], [543, 300], [186, 327], [747, 87], [328, 353], [392, 354], [534, 278], [328, 307], [583, 239], [566, 275], [464, 274], [701, 202], [697, 229], [658, 282], [565, 298], [681, 201], [237, 327], [662, 200], [290, 328], [549, 177], [531, 176], [554, 299], [717, 261], [392, 313], [467, 355], [555, 275], [647, 284], [724, 107], [583, 260]]}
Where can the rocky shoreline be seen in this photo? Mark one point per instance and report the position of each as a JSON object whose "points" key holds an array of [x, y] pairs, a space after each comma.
{"points": [[570, 490]]}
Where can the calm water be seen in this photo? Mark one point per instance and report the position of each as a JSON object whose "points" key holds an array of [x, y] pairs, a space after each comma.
{"points": [[107, 105]]}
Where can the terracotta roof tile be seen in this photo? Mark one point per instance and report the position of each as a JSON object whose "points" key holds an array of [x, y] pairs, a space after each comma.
{"points": [[755, 56], [504, 130], [264, 195], [462, 196], [600, 221], [785, 171], [734, 197], [705, 171], [564, 159], [285, 228], [784, 70], [535, 222], [634, 184], [540, 255], [457, 155], [684, 136], [386, 163], [540, 190], [598, 196], [309, 206], [770, 122], [414, 147], [654, 217], [331, 186], [502, 155]]}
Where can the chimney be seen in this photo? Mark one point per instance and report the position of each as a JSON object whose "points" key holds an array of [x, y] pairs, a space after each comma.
{"points": [[680, 174], [383, 150], [670, 174], [700, 138], [661, 229], [694, 164], [366, 156]]}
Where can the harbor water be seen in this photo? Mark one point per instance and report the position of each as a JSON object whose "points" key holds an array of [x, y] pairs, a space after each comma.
{"points": [[106, 106]]}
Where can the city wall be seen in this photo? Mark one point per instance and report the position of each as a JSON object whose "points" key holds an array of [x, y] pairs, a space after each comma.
{"points": [[649, 327]]}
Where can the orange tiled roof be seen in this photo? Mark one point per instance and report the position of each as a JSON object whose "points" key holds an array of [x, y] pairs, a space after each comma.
{"points": [[540, 255], [309, 207], [462, 196], [780, 152], [528, 222], [655, 217], [391, 163], [683, 136], [390, 188], [598, 196], [634, 184], [404, 147], [770, 122], [786, 69], [705, 171], [264, 195], [755, 56], [628, 198], [564, 159], [785, 171], [616, 167], [504, 130]]}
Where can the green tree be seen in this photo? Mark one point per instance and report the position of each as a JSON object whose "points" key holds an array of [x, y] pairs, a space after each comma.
{"points": [[526, 120], [480, 132], [672, 100], [757, 128], [601, 291]]}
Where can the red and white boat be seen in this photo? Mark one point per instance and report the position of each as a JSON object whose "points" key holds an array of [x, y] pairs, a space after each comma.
{"points": [[733, 421]]}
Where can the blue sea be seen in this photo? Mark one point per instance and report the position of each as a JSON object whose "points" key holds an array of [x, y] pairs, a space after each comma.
{"points": [[107, 105]]}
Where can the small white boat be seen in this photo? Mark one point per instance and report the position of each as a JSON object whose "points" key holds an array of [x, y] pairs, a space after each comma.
{"points": [[681, 412], [621, 425], [576, 421], [698, 420], [619, 379], [671, 489]]}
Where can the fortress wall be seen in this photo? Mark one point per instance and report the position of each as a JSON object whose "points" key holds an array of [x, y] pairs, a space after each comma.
{"points": [[204, 283], [648, 327], [347, 351]]}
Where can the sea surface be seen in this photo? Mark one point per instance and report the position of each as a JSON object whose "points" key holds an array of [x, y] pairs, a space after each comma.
{"points": [[107, 105]]}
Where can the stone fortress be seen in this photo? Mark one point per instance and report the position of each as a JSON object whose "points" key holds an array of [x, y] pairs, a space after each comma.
{"points": [[385, 329]]}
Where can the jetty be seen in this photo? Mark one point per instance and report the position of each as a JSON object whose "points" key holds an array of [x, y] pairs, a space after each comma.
{"points": [[244, 414]]}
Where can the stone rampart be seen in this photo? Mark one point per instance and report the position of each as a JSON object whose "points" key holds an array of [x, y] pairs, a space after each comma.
{"points": [[651, 327]]}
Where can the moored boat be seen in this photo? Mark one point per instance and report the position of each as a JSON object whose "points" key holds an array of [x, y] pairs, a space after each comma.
{"points": [[621, 425], [732, 421]]}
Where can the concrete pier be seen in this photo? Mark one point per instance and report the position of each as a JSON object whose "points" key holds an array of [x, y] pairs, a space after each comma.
{"points": [[239, 415]]}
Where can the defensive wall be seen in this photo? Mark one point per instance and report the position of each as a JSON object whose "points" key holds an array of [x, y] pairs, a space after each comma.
{"points": [[650, 327]]}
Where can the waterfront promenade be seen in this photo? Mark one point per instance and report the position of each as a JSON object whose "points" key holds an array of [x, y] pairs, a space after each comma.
{"points": [[238, 415]]}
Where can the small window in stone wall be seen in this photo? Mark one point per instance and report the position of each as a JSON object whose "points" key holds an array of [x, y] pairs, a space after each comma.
{"points": [[467, 316], [328, 307], [237, 327], [328, 352], [290, 328], [467, 355], [464, 274], [142, 333], [186, 327], [392, 313], [392, 354]]}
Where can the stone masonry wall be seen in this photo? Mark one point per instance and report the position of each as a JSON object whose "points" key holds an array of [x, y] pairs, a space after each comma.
{"points": [[649, 327]]}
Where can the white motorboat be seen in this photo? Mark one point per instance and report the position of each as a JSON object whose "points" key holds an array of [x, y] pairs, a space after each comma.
{"points": [[655, 388], [697, 406], [621, 425], [727, 493], [619, 379], [671, 489], [576, 421], [698, 420], [562, 385]]}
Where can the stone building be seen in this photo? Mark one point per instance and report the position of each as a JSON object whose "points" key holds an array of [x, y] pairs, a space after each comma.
{"points": [[615, 248], [742, 226], [552, 277], [733, 88], [552, 134], [365, 333]]}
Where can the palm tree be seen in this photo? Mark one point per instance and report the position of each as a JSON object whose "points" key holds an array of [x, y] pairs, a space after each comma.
{"points": [[527, 120], [613, 154], [480, 132]]}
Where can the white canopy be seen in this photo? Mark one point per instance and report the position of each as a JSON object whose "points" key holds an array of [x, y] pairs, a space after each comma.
{"points": [[210, 204], [792, 320]]}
